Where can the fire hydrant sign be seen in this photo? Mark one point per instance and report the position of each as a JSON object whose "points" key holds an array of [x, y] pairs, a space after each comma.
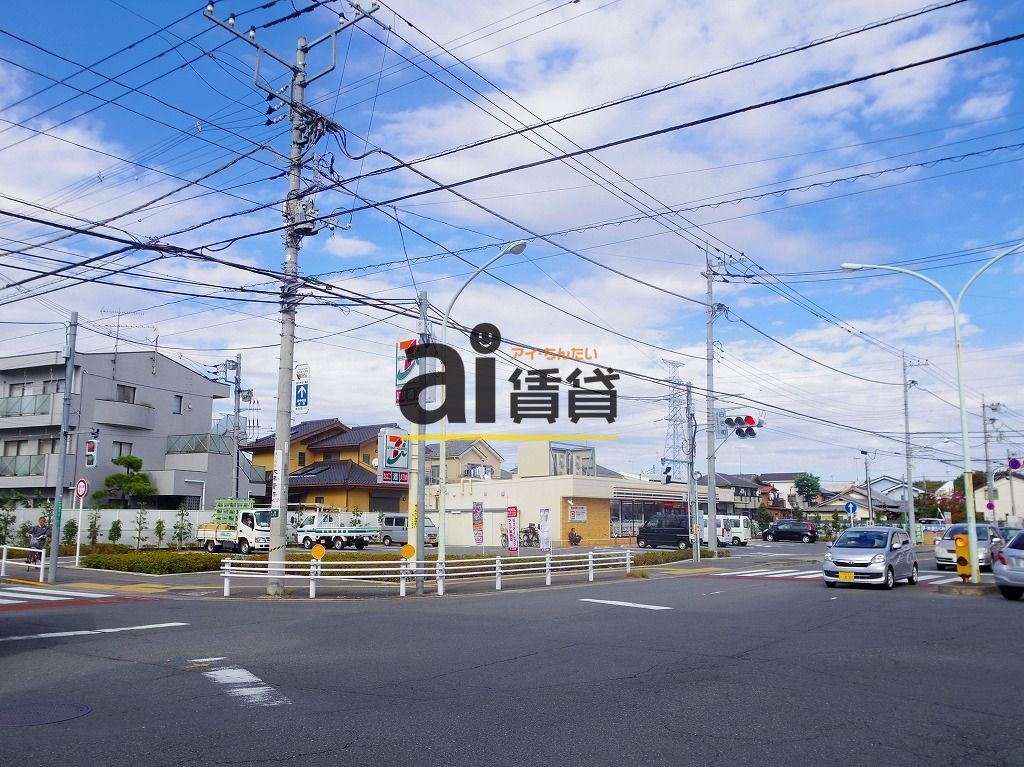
{"points": [[512, 514]]}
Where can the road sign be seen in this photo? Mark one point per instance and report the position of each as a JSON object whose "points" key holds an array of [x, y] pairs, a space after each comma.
{"points": [[318, 551], [721, 430], [408, 551], [990, 506], [850, 507], [301, 404], [81, 488], [1015, 464]]}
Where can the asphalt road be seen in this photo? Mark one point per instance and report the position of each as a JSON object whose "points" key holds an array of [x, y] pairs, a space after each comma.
{"points": [[739, 671]]}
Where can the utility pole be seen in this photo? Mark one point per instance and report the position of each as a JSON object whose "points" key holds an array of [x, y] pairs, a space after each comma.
{"points": [[692, 505], [234, 424], [710, 360], [420, 457], [867, 489], [302, 219], [990, 488], [908, 486], [1009, 479], [65, 441]]}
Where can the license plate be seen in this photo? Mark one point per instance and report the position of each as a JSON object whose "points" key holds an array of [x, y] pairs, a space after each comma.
{"points": [[845, 576]]}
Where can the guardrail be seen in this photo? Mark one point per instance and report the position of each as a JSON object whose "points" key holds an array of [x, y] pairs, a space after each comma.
{"points": [[40, 565], [403, 571]]}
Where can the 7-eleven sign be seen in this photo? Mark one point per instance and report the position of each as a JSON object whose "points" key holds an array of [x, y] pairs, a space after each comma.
{"points": [[392, 457], [407, 369]]}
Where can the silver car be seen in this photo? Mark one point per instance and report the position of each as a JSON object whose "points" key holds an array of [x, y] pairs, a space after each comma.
{"points": [[1009, 568], [989, 543], [878, 555]]}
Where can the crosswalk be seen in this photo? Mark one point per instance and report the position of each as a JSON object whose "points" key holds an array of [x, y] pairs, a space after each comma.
{"points": [[934, 579], [26, 595]]}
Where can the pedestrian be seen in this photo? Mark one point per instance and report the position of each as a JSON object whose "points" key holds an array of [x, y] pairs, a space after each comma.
{"points": [[37, 536], [574, 537]]}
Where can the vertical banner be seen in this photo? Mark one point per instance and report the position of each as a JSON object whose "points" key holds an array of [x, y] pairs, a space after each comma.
{"points": [[512, 515], [275, 491], [545, 530], [478, 523]]}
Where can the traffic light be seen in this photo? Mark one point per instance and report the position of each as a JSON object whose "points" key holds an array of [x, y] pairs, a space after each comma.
{"points": [[666, 474], [744, 426], [91, 446], [962, 554]]}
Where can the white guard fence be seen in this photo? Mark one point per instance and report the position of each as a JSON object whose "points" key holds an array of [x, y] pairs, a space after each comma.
{"points": [[8, 562], [405, 571]]}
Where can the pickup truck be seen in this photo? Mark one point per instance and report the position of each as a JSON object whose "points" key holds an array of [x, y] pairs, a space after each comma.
{"points": [[248, 530], [329, 529]]}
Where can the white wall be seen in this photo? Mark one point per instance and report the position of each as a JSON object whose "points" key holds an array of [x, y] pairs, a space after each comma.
{"points": [[107, 516]]}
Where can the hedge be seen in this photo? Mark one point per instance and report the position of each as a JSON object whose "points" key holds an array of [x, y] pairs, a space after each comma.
{"points": [[648, 558], [155, 562]]}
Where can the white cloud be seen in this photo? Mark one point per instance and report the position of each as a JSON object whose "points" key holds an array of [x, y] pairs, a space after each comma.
{"points": [[349, 247]]}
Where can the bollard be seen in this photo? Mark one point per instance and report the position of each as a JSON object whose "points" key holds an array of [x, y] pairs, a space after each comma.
{"points": [[227, 577], [312, 578], [401, 578], [590, 565], [440, 578], [497, 573], [547, 569], [43, 559], [629, 560]]}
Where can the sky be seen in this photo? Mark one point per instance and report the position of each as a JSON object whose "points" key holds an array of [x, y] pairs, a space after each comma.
{"points": [[630, 144]]}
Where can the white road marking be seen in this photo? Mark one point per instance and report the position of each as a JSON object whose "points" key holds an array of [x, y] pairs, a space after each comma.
{"points": [[248, 688], [810, 574], [791, 574], [205, 660], [34, 596], [61, 634], [57, 592], [625, 604], [745, 573], [9, 602], [929, 577]]}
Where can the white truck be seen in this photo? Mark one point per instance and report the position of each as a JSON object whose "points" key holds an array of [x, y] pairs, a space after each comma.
{"points": [[335, 530], [241, 529]]}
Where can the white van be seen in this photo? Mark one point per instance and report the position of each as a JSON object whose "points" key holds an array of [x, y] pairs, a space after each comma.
{"points": [[395, 529], [732, 529]]}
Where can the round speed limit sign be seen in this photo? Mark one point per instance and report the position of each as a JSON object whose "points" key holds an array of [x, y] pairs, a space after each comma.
{"points": [[81, 488]]}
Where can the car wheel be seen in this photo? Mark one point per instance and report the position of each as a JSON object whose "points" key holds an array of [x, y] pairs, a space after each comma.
{"points": [[211, 546], [641, 543], [307, 543], [683, 544], [744, 543], [769, 537], [830, 584], [1011, 592], [890, 579], [652, 544], [913, 575], [360, 545], [244, 547], [805, 538], [338, 543], [386, 540]]}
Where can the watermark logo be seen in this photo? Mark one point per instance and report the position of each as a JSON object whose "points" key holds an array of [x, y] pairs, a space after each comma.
{"points": [[535, 395]]}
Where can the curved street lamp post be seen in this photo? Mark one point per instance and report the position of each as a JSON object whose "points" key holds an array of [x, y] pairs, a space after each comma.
{"points": [[972, 533], [515, 248]]}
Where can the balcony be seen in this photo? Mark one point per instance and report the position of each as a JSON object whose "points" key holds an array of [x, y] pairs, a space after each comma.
{"points": [[124, 414], [32, 412], [22, 465], [200, 443], [38, 404], [30, 471]]}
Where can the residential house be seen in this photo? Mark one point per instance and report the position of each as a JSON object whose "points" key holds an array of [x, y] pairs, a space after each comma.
{"points": [[889, 508], [465, 458], [332, 464], [770, 497], [784, 484], [1008, 503], [131, 403], [894, 487], [734, 494]]}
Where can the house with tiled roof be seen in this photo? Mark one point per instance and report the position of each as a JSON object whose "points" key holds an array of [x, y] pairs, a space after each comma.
{"points": [[333, 464], [465, 458]]}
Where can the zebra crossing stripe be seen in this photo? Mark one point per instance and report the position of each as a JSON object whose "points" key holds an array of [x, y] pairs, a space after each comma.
{"points": [[33, 595], [787, 574], [927, 577], [809, 574], [66, 594], [745, 573]]}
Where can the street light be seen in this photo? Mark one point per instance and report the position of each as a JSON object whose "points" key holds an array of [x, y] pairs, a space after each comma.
{"points": [[515, 248], [972, 533]]}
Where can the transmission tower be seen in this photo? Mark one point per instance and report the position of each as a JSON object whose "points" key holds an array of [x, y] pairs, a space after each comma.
{"points": [[675, 429]]}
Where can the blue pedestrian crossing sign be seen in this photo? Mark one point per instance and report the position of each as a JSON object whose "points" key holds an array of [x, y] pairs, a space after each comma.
{"points": [[850, 507]]}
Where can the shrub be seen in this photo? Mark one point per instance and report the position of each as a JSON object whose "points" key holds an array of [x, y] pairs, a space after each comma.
{"points": [[671, 555], [94, 527], [22, 537], [159, 530], [115, 531], [69, 532], [155, 562]]}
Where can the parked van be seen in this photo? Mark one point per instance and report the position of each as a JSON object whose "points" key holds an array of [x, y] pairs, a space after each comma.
{"points": [[737, 529], [395, 529], [665, 530]]}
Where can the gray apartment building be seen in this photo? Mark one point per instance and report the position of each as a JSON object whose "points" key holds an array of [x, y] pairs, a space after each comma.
{"points": [[140, 403]]}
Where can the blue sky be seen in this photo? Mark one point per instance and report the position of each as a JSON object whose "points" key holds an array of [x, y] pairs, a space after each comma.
{"points": [[919, 168]]}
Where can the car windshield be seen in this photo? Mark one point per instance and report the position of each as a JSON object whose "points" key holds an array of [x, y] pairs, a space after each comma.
{"points": [[262, 519], [862, 539], [982, 532], [1017, 542]]}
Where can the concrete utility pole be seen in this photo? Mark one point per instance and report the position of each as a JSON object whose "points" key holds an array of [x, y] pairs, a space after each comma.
{"points": [[693, 507], [234, 424], [302, 220], [990, 487], [908, 485], [65, 440], [710, 355], [867, 489], [420, 457], [1009, 480]]}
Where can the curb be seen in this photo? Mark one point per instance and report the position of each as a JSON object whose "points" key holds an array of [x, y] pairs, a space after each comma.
{"points": [[968, 589]]}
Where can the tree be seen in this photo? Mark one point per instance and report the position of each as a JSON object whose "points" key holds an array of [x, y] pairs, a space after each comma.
{"points": [[8, 503], [978, 479], [140, 525], [94, 526], [763, 517], [115, 531], [69, 533], [808, 487], [159, 530], [134, 483], [182, 527]]}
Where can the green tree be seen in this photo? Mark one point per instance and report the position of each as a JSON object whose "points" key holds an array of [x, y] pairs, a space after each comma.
{"points": [[763, 517], [978, 479], [132, 484], [69, 532], [140, 525], [159, 530], [808, 487], [94, 527], [8, 503], [182, 530], [115, 531], [22, 537]]}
